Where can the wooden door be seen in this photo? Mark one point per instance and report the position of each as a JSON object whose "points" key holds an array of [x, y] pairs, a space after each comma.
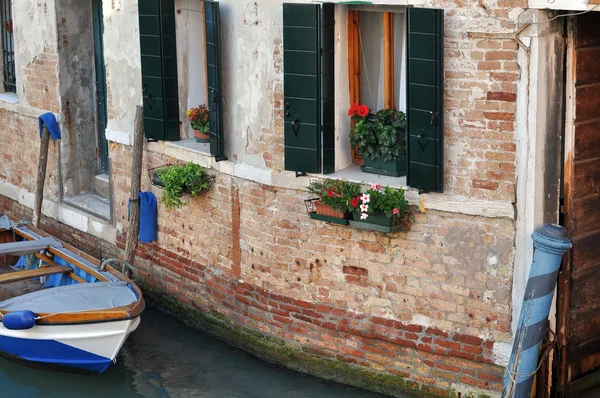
{"points": [[579, 284]]}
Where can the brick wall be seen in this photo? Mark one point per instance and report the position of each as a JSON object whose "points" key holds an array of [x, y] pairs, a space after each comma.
{"points": [[40, 82], [427, 304]]}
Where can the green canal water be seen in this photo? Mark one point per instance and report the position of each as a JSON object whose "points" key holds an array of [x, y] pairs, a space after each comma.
{"points": [[165, 358]]}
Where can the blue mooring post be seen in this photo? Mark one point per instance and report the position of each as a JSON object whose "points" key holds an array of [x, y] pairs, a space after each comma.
{"points": [[550, 243]]}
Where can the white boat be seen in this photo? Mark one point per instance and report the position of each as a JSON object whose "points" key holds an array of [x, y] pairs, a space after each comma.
{"points": [[82, 313]]}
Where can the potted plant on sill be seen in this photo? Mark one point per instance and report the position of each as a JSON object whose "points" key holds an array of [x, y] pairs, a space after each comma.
{"points": [[199, 120], [380, 138], [381, 209], [178, 180], [335, 199]]}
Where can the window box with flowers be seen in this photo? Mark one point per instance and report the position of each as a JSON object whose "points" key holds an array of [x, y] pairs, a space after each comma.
{"points": [[381, 209], [380, 138], [199, 120], [334, 201]]}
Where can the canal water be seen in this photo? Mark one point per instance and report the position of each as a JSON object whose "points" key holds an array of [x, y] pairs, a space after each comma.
{"points": [[165, 358]]}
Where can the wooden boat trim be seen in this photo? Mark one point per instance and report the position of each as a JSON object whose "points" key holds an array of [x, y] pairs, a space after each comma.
{"points": [[34, 273]]}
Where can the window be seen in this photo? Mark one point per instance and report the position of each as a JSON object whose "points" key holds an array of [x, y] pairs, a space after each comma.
{"points": [[158, 48], [376, 61], [8, 47], [401, 67]]}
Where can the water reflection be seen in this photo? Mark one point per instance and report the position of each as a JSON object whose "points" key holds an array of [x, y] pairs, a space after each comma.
{"points": [[165, 358]]}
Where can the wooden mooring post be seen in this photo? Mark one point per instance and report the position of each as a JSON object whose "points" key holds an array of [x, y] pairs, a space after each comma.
{"points": [[136, 182], [41, 178]]}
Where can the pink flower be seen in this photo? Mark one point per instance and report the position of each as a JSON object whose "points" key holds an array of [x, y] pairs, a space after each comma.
{"points": [[364, 208], [365, 198], [363, 216], [395, 211], [375, 187]]}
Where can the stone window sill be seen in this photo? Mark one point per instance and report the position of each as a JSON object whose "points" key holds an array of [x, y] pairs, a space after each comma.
{"points": [[355, 174], [9, 97]]}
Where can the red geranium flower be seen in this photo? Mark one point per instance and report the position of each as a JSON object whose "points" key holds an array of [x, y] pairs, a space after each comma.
{"points": [[362, 110], [352, 109], [354, 202], [329, 192]]}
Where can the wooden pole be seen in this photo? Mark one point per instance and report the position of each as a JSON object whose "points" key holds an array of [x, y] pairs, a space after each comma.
{"points": [[388, 60], [41, 178], [136, 182]]}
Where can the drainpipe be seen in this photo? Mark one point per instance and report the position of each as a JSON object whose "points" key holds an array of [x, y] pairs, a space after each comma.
{"points": [[550, 242]]}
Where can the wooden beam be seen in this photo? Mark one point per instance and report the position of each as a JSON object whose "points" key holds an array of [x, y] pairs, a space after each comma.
{"points": [[48, 261], [41, 177], [388, 60], [33, 273], [136, 182]]}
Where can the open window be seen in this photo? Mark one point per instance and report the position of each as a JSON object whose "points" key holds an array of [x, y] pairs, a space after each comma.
{"points": [[395, 61], [158, 47], [9, 79]]}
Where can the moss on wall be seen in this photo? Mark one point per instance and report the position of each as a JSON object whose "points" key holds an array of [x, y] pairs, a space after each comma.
{"points": [[276, 351]]}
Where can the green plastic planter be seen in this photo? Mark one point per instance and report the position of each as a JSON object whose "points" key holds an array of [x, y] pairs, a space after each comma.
{"points": [[392, 168], [379, 222]]}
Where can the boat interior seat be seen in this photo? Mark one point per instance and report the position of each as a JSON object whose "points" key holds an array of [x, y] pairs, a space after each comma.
{"points": [[26, 247]]}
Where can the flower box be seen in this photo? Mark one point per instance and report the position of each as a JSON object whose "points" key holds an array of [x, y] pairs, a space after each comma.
{"points": [[379, 222], [394, 168], [318, 211], [325, 210]]}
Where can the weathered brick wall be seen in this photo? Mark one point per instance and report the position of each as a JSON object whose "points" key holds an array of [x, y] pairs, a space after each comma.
{"points": [[40, 82], [426, 304], [19, 152]]}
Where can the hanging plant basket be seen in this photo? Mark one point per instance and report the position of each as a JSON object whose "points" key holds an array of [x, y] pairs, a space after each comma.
{"points": [[183, 187], [318, 211], [380, 222]]}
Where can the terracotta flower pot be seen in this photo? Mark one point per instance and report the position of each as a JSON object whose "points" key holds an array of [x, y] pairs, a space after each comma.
{"points": [[202, 137], [325, 210]]}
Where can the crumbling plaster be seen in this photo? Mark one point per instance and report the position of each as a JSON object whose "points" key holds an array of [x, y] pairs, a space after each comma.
{"points": [[35, 31], [122, 58]]}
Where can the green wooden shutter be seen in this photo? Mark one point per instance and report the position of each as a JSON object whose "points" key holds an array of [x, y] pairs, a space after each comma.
{"points": [[159, 69], [213, 61], [425, 98], [308, 78]]}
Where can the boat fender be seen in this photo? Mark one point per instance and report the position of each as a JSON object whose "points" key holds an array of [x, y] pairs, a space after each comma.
{"points": [[19, 320]]}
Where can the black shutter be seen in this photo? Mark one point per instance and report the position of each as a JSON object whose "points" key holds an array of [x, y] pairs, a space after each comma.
{"points": [[308, 75], [425, 97], [213, 61], [159, 69]]}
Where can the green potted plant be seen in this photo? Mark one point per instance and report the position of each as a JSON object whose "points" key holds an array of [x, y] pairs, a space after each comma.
{"points": [[199, 120], [178, 180], [380, 138], [381, 209], [333, 200]]}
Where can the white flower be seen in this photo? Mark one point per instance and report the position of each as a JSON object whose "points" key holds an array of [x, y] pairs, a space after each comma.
{"points": [[364, 208], [364, 216], [366, 198], [375, 187]]}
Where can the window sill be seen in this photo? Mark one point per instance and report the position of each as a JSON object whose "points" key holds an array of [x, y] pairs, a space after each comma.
{"points": [[355, 174], [9, 97]]}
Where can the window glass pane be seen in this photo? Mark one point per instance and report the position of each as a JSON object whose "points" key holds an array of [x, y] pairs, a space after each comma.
{"points": [[372, 60], [371, 68]]}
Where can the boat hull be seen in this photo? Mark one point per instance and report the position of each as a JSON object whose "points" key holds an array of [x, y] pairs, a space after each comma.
{"points": [[81, 348]]}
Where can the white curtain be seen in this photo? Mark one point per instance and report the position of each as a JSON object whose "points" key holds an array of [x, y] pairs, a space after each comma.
{"points": [[371, 44]]}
